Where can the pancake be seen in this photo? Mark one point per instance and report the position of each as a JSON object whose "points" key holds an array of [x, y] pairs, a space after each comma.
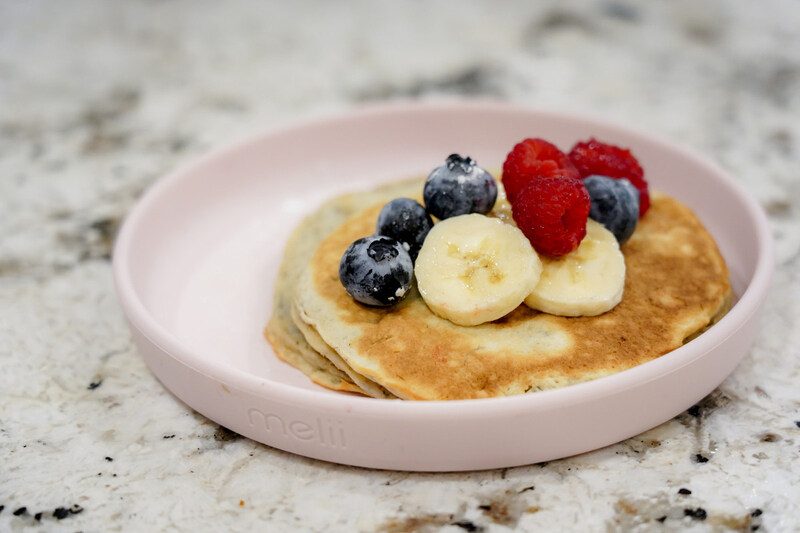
{"points": [[363, 384], [676, 287], [288, 341]]}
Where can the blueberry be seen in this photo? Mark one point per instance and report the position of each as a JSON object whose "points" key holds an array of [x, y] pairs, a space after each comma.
{"points": [[615, 204], [407, 221], [459, 187], [376, 270]]}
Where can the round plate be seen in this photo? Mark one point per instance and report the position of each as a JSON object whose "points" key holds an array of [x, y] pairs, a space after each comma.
{"points": [[196, 260]]}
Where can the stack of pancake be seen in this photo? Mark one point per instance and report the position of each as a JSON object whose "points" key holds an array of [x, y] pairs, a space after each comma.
{"points": [[676, 286]]}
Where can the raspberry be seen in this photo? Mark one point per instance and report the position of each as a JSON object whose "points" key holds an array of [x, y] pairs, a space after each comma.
{"points": [[531, 159], [596, 158], [552, 214]]}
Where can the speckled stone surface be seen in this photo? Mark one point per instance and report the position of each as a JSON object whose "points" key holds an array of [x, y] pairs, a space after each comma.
{"points": [[100, 99]]}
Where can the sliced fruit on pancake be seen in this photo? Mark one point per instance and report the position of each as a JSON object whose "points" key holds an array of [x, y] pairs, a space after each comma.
{"points": [[587, 281], [474, 269]]}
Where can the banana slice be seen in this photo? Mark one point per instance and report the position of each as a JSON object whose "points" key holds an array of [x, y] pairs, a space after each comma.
{"points": [[473, 269], [587, 281]]}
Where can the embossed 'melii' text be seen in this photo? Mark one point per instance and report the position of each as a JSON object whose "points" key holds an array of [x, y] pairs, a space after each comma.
{"points": [[325, 431]]}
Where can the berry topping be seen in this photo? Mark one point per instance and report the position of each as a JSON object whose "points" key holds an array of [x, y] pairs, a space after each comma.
{"points": [[459, 187], [615, 204], [593, 157], [531, 159], [552, 213], [376, 270], [407, 221]]}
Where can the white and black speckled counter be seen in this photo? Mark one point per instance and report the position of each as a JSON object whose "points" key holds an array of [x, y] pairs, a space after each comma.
{"points": [[100, 99]]}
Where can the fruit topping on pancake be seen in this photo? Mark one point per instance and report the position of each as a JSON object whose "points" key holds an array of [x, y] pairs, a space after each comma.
{"points": [[593, 157], [615, 204], [532, 159], [427, 303], [552, 214], [376, 270], [474, 269], [407, 221], [459, 187]]}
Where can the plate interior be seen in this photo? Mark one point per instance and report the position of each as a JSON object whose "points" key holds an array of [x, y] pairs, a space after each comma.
{"points": [[214, 238]]}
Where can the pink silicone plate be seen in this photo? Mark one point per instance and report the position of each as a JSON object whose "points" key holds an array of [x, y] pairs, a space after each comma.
{"points": [[196, 260]]}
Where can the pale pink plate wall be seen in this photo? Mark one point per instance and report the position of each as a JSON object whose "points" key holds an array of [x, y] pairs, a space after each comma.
{"points": [[196, 260]]}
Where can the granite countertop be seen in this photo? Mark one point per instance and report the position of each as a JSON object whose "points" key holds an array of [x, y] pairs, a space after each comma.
{"points": [[100, 99]]}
